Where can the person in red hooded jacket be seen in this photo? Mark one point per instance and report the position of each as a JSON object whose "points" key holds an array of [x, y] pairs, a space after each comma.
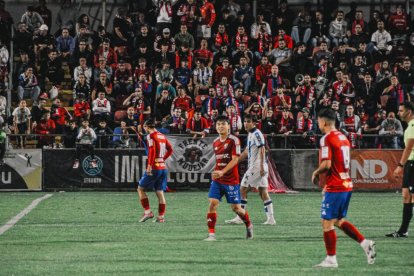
{"points": [[45, 127]]}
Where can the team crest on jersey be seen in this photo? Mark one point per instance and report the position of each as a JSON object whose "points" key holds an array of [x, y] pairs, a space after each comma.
{"points": [[226, 145]]}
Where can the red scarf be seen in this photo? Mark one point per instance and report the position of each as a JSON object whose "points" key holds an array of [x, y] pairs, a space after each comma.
{"points": [[240, 39], [221, 39], [233, 122], [264, 40]]}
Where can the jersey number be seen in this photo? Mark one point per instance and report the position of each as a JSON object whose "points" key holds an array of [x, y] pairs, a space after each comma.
{"points": [[346, 156], [163, 149]]}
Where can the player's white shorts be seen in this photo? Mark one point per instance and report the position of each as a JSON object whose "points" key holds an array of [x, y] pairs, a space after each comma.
{"points": [[252, 178]]}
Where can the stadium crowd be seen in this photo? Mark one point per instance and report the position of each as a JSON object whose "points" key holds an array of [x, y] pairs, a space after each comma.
{"points": [[185, 62]]}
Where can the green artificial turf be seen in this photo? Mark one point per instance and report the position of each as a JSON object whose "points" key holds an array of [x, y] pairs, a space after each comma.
{"points": [[98, 233]]}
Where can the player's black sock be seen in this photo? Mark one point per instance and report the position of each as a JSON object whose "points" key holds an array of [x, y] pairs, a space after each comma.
{"points": [[407, 215]]}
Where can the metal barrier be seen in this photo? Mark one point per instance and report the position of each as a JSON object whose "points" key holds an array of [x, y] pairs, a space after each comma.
{"points": [[277, 141]]}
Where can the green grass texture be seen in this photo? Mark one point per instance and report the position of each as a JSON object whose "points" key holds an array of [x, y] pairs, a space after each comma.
{"points": [[97, 233]]}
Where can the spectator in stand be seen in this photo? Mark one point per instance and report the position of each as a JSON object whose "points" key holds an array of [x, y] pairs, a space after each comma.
{"points": [[236, 124], [211, 102], [197, 125], [262, 42], [366, 56], [222, 54], [343, 54], [243, 51], [255, 109], [39, 109], [43, 41], [6, 23], [351, 126], [282, 57], [81, 87], [85, 35], [45, 127], [396, 95], [304, 126], [32, 19], [301, 30], [224, 89], [368, 92], [83, 21], [207, 19], [390, 132], [243, 75], [305, 93], [101, 108], [23, 40], [301, 59], [65, 45], [82, 51], [358, 36], [184, 37], [104, 135], [220, 38], [123, 31], [166, 85], [273, 81], [322, 52], [21, 122], [204, 54], [212, 121], [188, 15], [338, 29], [176, 123], [182, 101], [165, 73], [102, 85], [406, 76], [145, 86], [282, 36], [85, 140], [70, 134], [383, 75], [286, 126], [164, 13], [28, 85], [142, 68], [182, 76], [184, 54], [371, 127], [344, 92], [51, 70], [163, 108], [262, 71], [269, 128], [108, 54], [399, 23], [359, 20], [164, 40], [99, 37], [202, 78], [144, 38], [223, 70], [132, 120], [255, 29], [381, 42], [358, 71], [320, 30], [81, 109], [279, 102], [123, 84], [83, 69], [59, 114], [141, 105]]}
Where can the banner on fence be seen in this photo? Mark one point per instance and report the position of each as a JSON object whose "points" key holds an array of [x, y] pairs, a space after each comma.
{"points": [[22, 170], [118, 169], [373, 169]]}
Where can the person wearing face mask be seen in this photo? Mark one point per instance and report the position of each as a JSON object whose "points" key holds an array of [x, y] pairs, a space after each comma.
{"points": [[391, 129]]}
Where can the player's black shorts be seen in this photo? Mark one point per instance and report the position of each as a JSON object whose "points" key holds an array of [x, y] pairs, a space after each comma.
{"points": [[408, 178]]}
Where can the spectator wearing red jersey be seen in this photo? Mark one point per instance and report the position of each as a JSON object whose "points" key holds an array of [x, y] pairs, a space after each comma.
{"points": [[223, 70], [183, 101], [184, 54], [207, 19], [197, 125], [220, 38], [203, 53], [187, 13], [45, 127], [399, 23], [351, 126], [108, 53], [263, 70], [279, 102], [81, 109], [282, 36], [59, 114], [304, 126], [344, 92]]}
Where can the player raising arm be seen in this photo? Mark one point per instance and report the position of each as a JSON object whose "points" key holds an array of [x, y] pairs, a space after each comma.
{"points": [[257, 172], [335, 160], [225, 178], [155, 176]]}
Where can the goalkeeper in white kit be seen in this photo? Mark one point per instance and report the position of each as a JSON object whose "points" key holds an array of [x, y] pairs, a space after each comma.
{"points": [[257, 172]]}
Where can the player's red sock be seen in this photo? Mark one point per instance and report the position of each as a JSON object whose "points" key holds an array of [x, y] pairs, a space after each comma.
{"points": [[329, 238], [211, 222], [246, 219], [145, 204], [161, 209], [352, 231]]}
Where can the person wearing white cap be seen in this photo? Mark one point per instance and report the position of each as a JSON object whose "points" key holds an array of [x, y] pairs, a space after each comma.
{"points": [[32, 19]]}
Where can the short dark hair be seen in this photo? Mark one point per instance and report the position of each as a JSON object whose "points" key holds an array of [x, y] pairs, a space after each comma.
{"points": [[222, 118], [328, 114], [150, 123], [408, 105], [250, 117]]}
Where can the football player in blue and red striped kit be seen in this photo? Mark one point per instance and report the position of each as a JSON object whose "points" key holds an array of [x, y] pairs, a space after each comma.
{"points": [[155, 176], [225, 178]]}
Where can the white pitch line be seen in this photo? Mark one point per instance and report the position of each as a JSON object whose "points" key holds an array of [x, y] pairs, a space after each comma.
{"points": [[20, 215]]}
